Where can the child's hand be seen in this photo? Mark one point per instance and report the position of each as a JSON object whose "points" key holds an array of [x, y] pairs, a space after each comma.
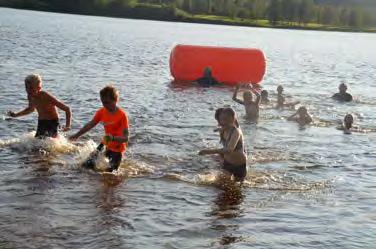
{"points": [[108, 138], [11, 114], [65, 128], [73, 138]]}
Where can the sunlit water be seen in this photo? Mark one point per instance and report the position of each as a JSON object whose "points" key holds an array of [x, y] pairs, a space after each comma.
{"points": [[310, 188]]}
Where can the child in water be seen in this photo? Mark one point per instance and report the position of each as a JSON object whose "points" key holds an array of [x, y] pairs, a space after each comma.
{"points": [[252, 108], [115, 122], [265, 97], [302, 116], [233, 151], [45, 104], [281, 99], [348, 125]]}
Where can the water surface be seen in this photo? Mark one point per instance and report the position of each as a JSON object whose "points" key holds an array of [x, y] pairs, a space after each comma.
{"points": [[310, 188]]}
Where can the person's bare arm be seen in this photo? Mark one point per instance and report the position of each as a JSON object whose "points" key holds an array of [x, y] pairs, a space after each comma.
{"points": [[229, 148], [65, 108], [235, 96], [83, 130], [29, 109], [119, 139], [258, 96]]}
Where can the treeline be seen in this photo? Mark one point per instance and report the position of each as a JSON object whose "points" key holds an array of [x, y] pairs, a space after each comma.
{"points": [[277, 12]]}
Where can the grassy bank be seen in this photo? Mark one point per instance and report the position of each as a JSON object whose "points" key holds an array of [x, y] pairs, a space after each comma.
{"points": [[266, 24], [169, 13]]}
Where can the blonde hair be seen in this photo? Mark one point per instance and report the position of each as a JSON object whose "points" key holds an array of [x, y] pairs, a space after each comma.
{"points": [[109, 92], [33, 78]]}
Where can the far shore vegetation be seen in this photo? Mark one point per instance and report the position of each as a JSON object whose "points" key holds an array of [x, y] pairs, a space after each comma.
{"points": [[331, 15]]}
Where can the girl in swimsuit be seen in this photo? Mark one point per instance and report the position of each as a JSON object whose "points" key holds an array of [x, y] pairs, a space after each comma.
{"points": [[233, 151]]}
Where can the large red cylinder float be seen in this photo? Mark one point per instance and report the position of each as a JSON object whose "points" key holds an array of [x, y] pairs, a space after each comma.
{"points": [[229, 66]]}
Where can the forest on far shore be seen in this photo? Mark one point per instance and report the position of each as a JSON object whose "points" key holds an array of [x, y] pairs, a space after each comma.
{"points": [[342, 15]]}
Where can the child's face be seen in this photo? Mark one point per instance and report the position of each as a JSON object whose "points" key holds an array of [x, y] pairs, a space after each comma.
{"points": [[109, 104], [33, 88], [226, 119], [247, 96], [302, 111], [349, 120], [342, 88], [280, 89]]}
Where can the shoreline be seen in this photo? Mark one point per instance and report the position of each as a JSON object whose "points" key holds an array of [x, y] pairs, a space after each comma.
{"points": [[216, 20]]}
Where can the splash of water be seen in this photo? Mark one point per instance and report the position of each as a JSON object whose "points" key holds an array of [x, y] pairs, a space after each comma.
{"points": [[27, 142]]}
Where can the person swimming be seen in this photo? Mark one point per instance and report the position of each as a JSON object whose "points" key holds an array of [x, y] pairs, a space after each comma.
{"points": [[264, 97], [207, 79], [252, 108], [281, 99], [233, 151], [342, 95], [301, 116]]}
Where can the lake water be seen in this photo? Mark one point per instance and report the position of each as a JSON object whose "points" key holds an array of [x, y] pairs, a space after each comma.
{"points": [[310, 188]]}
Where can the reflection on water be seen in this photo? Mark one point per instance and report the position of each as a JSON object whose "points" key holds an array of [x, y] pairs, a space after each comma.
{"points": [[305, 188], [225, 207]]}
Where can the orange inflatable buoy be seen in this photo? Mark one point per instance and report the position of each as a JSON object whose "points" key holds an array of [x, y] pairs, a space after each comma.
{"points": [[229, 66]]}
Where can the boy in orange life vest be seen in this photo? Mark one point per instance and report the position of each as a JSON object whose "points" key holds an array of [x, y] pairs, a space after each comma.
{"points": [[115, 123]]}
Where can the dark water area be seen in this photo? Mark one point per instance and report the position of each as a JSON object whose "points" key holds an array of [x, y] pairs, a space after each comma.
{"points": [[306, 188]]}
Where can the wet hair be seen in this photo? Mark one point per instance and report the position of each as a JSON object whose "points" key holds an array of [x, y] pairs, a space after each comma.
{"points": [[280, 87], [33, 78], [348, 116], [109, 92], [264, 93], [217, 113], [229, 111], [303, 108]]}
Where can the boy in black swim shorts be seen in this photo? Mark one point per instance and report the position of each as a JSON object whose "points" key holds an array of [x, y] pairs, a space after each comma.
{"points": [[45, 104]]}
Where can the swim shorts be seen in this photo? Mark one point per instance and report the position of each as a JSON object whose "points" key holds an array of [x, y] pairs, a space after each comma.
{"points": [[47, 128], [238, 171]]}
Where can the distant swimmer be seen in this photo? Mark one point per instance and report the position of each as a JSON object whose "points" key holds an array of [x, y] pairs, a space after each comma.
{"points": [[343, 95], [207, 79], [115, 122], [281, 100], [265, 97], [45, 104], [252, 108], [348, 126], [301, 116], [233, 151]]}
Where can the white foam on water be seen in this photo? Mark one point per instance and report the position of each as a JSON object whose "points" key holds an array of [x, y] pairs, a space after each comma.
{"points": [[27, 142]]}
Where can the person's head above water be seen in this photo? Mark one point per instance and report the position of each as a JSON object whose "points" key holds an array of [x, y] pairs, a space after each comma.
{"points": [[247, 96], [227, 117], [207, 72], [348, 121], [109, 97], [264, 94], [342, 88], [302, 111], [280, 89], [33, 84]]}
